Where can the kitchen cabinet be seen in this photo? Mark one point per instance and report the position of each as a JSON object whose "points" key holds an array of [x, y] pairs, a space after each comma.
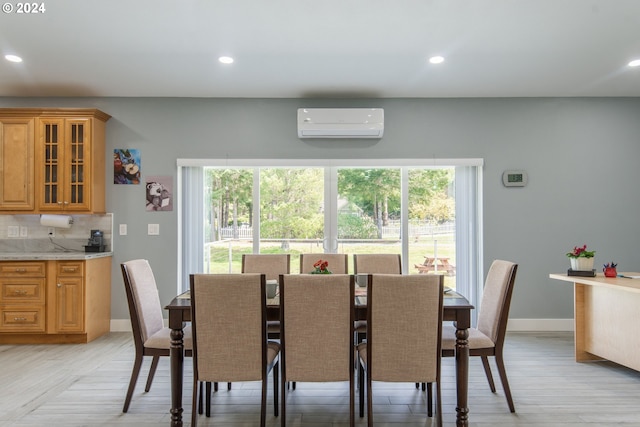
{"points": [[55, 301], [62, 154], [70, 162], [22, 296], [69, 297], [16, 163]]}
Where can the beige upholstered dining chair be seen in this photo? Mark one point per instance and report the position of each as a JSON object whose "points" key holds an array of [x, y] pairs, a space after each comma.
{"points": [[150, 336], [228, 313], [320, 350], [488, 338], [374, 264], [403, 344], [377, 264], [271, 265], [338, 263]]}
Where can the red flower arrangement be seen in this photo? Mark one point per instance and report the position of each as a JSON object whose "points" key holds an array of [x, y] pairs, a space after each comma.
{"points": [[320, 267], [581, 252]]}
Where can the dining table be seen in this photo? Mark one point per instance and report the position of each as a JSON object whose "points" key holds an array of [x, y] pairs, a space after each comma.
{"points": [[456, 308]]}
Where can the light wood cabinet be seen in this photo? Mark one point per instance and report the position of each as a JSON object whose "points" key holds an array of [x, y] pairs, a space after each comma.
{"points": [[55, 301], [63, 152], [22, 296], [69, 297], [16, 163]]}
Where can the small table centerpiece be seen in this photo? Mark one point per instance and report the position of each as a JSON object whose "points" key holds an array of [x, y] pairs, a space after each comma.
{"points": [[581, 260], [321, 267]]}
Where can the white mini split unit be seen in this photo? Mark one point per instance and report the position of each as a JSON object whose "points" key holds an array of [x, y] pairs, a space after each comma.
{"points": [[340, 122]]}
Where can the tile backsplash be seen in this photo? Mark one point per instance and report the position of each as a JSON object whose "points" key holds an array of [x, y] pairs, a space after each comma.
{"points": [[30, 236]]}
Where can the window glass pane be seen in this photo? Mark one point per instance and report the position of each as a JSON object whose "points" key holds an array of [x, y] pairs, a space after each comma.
{"points": [[228, 218], [291, 211], [431, 212], [369, 211]]}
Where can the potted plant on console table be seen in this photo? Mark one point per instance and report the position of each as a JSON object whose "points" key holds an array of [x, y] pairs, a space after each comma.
{"points": [[581, 259]]}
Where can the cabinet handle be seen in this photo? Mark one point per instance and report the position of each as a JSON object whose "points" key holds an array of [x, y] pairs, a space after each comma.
{"points": [[66, 203], [69, 269], [59, 285], [21, 270], [19, 319], [20, 292]]}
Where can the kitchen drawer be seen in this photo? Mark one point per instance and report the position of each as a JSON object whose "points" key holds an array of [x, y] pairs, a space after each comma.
{"points": [[22, 290], [72, 268], [22, 319], [18, 269]]}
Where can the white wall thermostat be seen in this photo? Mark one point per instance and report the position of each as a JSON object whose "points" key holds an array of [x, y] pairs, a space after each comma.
{"points": [[514, 178]]}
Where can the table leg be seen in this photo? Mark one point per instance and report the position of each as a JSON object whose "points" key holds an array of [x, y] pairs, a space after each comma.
{"points": [[177, 367], [462, 374]]}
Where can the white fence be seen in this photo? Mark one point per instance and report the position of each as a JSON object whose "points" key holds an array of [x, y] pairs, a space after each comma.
{"points": [[389, 231]]}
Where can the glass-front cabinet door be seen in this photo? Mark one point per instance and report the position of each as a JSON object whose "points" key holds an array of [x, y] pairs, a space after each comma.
{"points": [[64, 149]]}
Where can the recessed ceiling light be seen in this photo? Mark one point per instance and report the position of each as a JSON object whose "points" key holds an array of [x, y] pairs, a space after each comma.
{"points": [[226, 59], [634, 63], [13, 58], [436, 59]]}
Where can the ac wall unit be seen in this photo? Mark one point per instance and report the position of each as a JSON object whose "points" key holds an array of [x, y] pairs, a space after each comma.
{"points": [[340, 122]]}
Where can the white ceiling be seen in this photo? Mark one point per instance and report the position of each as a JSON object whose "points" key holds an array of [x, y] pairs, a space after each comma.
{"points": [[322, 48]]}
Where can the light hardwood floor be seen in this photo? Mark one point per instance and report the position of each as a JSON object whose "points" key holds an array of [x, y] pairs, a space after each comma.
{"points": [[84, 385]]}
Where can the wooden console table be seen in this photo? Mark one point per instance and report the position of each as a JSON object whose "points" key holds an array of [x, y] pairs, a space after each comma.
{"points": [[606, 316]]}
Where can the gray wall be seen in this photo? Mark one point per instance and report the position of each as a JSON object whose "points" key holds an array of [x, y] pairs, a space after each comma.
{"points": [[581, 155]]}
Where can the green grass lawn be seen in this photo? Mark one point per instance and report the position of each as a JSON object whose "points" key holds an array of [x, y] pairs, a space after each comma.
{"points": [[224, 254]]}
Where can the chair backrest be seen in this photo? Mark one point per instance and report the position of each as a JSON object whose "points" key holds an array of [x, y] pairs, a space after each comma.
{"points": [[377, 264], [338, 263], [271, 265], [316, 321], [496, 300], [143, 299], [404, 321], [228, 327]]}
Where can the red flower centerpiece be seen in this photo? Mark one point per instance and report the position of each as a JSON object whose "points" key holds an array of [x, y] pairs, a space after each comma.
{"points": [[320, 267]]}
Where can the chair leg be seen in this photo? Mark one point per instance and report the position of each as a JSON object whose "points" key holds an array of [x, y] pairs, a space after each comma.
{"points": [[152, 372], [200, 394], [208, 399], [438, 403], [194, 416], [369, 399], [361, 389], [429, 399], [487, 371], [276, 379], [137, 364], [228, 386], [215, 386], [283, 403], [263, 400], [505, 383]]}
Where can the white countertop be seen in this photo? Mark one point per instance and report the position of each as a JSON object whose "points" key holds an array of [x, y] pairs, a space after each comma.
{"points": [[32, 256]]}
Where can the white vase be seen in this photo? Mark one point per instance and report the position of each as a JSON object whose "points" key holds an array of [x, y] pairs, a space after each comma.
{"points": [[582, 263]]}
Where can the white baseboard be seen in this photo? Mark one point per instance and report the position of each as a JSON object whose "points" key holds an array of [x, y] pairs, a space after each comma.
{"points": [[120, 325], [514, 325]]}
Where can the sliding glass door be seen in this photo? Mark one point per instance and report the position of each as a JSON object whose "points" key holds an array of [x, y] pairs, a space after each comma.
{"points": [[410, 209]]}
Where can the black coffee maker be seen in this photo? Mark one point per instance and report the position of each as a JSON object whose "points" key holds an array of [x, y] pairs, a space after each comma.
{"points": [[96, 242]]}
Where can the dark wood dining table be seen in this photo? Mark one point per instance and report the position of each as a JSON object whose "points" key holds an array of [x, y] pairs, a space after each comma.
{"points": [[456, 308]]}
